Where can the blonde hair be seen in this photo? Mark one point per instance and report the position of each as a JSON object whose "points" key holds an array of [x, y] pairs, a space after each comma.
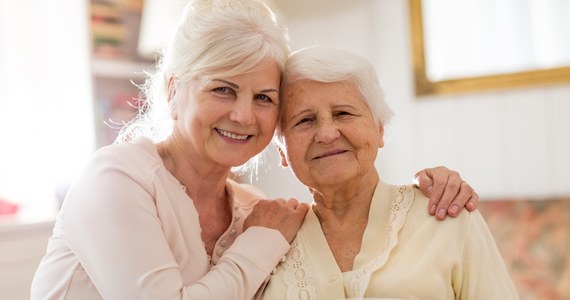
{"points": [[214, 38]]}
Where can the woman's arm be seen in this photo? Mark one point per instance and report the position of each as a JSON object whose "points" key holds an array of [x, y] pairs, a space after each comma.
{"points": [[447, 192], [113, 227]]}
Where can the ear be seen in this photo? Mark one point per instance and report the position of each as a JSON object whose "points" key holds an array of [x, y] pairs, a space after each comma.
{"points": [[380, 135], [283, 157], [171, 93]]}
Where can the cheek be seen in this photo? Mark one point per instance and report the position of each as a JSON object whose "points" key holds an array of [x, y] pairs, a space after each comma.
{"points": [[296, 151], [268, 120], [192, 120], [370, 153]]}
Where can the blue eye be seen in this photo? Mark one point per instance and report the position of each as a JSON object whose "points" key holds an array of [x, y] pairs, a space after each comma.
{"points": [[263, 98], [224, 90]]}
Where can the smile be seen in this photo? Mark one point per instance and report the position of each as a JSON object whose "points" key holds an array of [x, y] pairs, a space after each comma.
{"points": [[331, 153], [232, 135]]}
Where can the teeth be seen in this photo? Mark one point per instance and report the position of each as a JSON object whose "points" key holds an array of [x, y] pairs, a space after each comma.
{"points": [[232, 135]]}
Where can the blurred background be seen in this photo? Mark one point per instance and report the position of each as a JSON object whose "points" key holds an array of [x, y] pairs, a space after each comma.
{"points": [[69, 70]]}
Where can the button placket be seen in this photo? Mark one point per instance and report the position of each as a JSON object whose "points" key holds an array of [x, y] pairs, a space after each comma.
{"points": [[227, 238]]}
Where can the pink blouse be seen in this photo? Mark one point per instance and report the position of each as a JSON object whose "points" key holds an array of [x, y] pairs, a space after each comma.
{"points": [[128, 230]]}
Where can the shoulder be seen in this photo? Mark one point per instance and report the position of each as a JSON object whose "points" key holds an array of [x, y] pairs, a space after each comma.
{"points": [[400, 197], [134, 161], [141, 150], [139, 156], [245, 195], [418, 214], [116, 174]]}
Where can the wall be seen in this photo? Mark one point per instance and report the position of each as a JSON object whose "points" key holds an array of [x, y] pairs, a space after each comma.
{"points": [[510, 143], [22, 247]]}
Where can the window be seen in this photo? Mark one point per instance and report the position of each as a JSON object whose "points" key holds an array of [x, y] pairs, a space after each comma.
{"points": [[467, 45], [46, 114]]}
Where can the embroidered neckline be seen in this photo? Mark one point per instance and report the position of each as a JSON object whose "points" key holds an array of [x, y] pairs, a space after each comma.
{"points": [[356, 281], [298, 272]]}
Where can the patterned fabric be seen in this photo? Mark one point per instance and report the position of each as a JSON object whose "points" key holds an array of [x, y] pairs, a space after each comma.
{"points": [[534, 239]]}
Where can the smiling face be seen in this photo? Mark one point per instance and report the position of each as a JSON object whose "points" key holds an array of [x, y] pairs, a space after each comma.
{"points": [[227, 121], [330, 135]]}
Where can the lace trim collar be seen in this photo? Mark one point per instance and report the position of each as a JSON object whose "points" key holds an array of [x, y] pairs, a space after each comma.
{"points": [[301, 281], [356, 281]]}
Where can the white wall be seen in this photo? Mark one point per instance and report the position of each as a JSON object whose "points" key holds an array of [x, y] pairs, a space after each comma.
{"points": [[22, 246], [512, 143]]}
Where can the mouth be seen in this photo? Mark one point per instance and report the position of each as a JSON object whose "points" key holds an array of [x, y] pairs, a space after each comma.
{"points": [[330, 153], [233, 135]]}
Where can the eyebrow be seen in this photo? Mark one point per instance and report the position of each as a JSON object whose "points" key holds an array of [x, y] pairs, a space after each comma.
{"points": [[295, 116], [270, 90], [341, 106], [236, 86]]}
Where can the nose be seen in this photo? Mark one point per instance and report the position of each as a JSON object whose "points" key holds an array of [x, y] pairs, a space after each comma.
{"points": [[327, 132], [242, 111]]}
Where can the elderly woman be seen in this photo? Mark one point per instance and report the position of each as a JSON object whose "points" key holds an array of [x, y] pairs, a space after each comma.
{"points": [[364, 237]]}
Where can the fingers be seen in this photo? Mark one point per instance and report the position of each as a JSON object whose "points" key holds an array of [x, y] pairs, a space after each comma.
{"points": [[423, 182], [448, 193], [286, 216], [461, 200], [450, 188], [292, 203], [432, 183], [473, 202], [301, 207]]}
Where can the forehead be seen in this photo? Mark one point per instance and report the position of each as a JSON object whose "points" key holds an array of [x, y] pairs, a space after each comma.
{"points": [[306, 92], [268, 71]]}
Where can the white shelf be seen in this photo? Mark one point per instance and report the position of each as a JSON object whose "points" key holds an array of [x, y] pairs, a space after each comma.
{"points": [[117, 68]]}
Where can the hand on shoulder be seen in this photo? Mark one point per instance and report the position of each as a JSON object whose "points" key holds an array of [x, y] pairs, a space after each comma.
{"points": [[286, 216]]}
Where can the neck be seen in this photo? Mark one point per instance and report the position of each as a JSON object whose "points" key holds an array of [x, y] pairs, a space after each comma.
{"points": [[204, 182], [345, 202], [343, 215]]}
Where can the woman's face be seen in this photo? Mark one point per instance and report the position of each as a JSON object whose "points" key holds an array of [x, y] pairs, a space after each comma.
{"points": [[227, 121], [330, 135]]}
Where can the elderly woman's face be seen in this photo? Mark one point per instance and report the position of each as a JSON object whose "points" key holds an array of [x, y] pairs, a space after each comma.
{"points": [[227, 121], [330, 133]]}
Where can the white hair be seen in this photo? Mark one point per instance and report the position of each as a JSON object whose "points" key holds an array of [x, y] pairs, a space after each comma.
{"points": [[221, 38], [328, 65]]}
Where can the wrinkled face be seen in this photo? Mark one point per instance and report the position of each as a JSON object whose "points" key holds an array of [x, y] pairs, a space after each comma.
{"points": [[227, 121], [330, 135]]}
